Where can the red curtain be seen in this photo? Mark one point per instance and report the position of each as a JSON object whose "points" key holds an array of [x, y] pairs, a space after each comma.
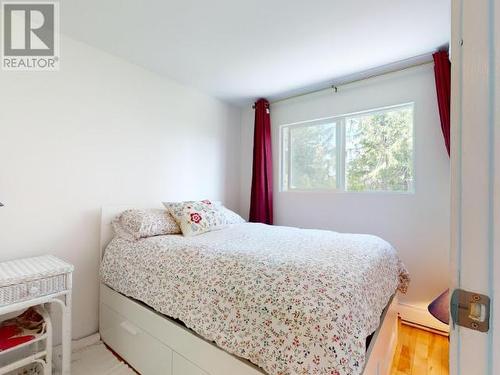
{"points": [[261, 202], [442, 74]]}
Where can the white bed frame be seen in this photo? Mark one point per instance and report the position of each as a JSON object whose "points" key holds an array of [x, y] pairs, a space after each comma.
{"points": [[154, 344]]}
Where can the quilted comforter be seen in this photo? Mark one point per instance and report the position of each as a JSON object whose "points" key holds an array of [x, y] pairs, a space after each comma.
{"points": [[292, 301]]}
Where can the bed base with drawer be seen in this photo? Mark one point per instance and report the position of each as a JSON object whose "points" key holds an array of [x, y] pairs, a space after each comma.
{"points": [[154, 344]]}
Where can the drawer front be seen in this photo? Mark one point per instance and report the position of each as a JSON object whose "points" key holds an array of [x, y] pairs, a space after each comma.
{"points": [[181, 366], [32, 289], [143, 352]]}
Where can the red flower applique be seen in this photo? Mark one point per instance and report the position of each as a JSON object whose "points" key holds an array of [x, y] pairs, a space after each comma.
{"points": [[195, 217]]}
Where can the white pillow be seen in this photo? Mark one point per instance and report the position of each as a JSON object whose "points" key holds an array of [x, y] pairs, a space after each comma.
{"points": [[213, 203], [231, 217], [120, 231], [135, 224]]}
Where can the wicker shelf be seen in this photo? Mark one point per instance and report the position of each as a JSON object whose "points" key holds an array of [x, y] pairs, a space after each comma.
{"points": [[30, 357], [42, 282]]}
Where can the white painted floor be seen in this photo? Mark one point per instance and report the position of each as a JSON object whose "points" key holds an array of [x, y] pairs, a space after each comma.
{"points": [[96, 359], [91, 357]]}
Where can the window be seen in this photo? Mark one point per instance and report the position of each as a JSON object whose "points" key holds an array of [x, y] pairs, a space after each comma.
{"points": [[312, 156], [368, 151]]}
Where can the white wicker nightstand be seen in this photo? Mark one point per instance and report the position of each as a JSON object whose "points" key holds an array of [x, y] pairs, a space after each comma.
{"points": [[41, 281]]}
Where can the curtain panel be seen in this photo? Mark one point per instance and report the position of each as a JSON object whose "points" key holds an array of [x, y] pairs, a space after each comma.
{"points": [[261, 201], [442, 74]]}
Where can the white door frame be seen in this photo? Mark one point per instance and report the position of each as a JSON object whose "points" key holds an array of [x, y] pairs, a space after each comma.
{"points": [[495, 341], [475, 176]]}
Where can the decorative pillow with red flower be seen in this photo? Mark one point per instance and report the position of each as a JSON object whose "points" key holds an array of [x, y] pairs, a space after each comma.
{"points": [[196, 217]]}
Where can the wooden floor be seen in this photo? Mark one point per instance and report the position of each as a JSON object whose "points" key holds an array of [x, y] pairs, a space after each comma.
{"points": [[420, 352]]}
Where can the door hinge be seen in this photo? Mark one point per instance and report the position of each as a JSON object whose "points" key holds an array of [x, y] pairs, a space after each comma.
{"points": [[470, 310]]}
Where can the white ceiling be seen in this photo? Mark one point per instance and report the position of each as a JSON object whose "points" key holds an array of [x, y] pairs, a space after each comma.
{"points": [[239, 50]]}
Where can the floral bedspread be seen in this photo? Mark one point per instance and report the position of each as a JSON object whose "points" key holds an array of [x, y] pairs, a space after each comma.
{"points": [[292, 301]]}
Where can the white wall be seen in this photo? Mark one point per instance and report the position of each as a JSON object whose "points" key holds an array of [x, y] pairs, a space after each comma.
{"points": [[416, 224], [102, 131]]}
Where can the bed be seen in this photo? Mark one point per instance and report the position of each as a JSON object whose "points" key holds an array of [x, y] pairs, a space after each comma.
{"points": [[250, 299]]}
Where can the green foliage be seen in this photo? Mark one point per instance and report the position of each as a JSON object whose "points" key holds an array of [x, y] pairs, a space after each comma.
{"points": [[313, 158], [379, 151]]}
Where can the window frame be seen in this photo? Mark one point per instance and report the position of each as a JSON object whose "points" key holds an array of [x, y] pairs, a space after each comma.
{"points": [[340, 128]]}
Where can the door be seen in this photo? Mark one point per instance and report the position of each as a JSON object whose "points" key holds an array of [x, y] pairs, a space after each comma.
{"points": [[475, 119]]}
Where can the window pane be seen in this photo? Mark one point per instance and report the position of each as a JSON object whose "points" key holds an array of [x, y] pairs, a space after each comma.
{"points": [[285, 142], [312, 157], [379, 151]]}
